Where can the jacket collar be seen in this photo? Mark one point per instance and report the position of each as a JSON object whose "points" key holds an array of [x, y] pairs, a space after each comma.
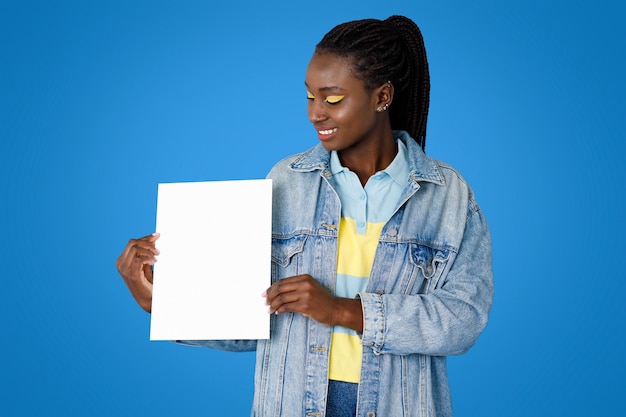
{"points": [[421, 166]]}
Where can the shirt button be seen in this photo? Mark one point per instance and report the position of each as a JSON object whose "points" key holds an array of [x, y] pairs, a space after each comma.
{"points": [[362, 197], [361, 224]]}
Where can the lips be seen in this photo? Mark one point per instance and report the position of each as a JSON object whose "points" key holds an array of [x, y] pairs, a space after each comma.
{"points": [[325, 134]]}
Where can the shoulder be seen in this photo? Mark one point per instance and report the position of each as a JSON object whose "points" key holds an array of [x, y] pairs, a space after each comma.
{"points": [[283, 166], [449, 173], [312, 160], [442, 179], [456, 183], [425, 168]]}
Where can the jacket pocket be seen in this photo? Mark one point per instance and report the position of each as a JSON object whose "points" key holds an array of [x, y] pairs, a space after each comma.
{"points": [[286, 256], [428, 265]]}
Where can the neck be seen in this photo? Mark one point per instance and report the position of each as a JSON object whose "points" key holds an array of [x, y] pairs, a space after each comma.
{"points": [[368, 159]]}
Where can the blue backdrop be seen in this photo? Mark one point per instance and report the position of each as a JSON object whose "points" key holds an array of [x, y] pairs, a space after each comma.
{"points": [[101, 100]]}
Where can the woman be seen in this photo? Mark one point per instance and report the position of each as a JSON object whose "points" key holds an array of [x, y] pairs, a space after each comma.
{"points": [[381, 258]]}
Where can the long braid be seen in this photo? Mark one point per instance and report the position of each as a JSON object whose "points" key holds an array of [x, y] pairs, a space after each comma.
{"points": [[390, 50], [419, 82]]}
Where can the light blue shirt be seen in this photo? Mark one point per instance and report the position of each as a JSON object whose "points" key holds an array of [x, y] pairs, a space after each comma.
{"points": [[376, 201]]}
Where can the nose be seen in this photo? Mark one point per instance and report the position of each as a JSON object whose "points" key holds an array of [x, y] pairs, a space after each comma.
{"points": [[316, 111]]}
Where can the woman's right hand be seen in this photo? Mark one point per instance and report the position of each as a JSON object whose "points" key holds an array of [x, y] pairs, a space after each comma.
{"points": [[135, 267]]}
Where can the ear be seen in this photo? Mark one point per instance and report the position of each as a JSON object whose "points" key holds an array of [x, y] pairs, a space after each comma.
{"points": [[384, 95]]}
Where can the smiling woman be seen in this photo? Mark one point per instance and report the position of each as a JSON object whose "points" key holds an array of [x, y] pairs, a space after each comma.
{"points": [[381, 255]]}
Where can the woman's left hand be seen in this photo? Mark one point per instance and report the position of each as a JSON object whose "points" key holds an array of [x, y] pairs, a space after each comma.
{"points": [[304, 295]]}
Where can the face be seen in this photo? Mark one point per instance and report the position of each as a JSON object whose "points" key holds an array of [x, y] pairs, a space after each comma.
{"points": [[342, 111]]}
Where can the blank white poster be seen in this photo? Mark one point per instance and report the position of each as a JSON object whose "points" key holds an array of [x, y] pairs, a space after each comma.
{"points": [[214, 262]]}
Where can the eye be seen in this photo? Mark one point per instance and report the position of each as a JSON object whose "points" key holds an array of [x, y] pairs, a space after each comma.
{"points": [[309, 96], [334, 99]]}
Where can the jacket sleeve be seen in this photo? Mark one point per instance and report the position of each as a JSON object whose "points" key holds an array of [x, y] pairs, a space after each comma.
{"points": [[449, 319], [228, 345]]}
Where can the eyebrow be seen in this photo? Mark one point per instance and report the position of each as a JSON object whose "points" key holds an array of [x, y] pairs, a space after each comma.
{"points": [[329, 88]]}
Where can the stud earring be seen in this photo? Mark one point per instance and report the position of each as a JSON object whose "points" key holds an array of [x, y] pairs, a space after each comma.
{"points": [[379, 109], [386, 106]]}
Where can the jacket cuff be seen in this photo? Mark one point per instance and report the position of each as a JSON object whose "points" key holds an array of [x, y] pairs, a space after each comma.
{"points": [[373, 321]]}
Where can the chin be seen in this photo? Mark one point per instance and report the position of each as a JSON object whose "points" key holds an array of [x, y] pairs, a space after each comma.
{"points": [[329, 146]]}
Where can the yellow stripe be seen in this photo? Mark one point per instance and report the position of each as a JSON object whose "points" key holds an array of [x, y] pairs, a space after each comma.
{"points": [[355, 258], [356, 251], [345, 358]]}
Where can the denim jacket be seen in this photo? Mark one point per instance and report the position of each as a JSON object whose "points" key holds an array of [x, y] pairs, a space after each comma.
{"points": [[428, 295]]}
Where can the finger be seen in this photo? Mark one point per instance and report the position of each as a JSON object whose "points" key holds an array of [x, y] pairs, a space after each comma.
{"points": [[147, 242], [151, 237], [280, 303], [288, 308], [144, 259], [132, 266], [278, 289], [287, 284], [148, 273], [144, 254]]}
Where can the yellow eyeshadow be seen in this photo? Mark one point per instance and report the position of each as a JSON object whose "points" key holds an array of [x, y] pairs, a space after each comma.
{"points": [[309, 95], [334, 99]]}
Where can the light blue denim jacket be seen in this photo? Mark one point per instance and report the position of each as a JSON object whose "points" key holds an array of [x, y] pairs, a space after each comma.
{"points": [[428, 296]]}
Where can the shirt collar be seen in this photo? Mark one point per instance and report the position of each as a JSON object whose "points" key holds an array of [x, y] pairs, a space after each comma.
{"points": [[335, 165], [398, 169]]}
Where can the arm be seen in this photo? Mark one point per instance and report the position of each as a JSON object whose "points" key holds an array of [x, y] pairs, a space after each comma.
{"points": [[450, 318]]}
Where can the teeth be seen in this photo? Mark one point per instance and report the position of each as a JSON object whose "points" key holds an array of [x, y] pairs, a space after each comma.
{"points": [[327, 132]]}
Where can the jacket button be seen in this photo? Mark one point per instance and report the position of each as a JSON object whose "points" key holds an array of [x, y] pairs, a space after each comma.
{"points": [[371, 414], [392, 232]]}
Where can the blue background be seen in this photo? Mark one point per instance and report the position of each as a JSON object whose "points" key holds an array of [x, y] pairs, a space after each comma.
{"points": [[101, 100]]}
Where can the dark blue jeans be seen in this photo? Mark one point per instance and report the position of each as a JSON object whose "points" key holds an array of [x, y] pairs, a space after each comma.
{"points": [[341, 399]]}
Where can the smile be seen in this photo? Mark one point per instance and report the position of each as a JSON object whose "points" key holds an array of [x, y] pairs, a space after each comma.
{"points": [[327, 132]]}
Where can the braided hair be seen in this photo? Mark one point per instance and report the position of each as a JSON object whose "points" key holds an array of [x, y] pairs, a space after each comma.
{"points": [[388, 50]]}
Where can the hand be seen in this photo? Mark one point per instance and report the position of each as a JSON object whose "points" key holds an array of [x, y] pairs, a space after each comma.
{"points": [[135, 267], [304, 295]]}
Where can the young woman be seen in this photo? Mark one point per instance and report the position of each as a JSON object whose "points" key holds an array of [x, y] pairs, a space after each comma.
{"points": [[381, 258]]}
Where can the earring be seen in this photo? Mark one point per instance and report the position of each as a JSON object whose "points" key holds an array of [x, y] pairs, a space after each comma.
{"points": [[386, 106], [379, 109]]}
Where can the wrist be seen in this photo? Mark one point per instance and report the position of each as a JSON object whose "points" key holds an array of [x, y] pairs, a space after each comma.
{"points": [[350, 314]]}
